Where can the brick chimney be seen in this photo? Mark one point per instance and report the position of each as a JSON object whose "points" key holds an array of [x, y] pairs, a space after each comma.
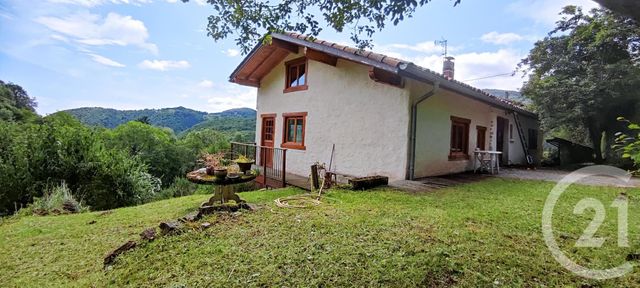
{"points": [[448, 67]]}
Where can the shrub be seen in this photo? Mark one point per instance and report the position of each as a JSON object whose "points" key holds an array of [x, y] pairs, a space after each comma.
{"points": [[180, 187], [58, 200], [629, 145]]}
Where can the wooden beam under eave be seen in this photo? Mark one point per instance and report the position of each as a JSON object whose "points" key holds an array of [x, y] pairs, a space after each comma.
{"points": [[321, 57], [246, 82], [266, 66], [386, 77], [293, 48]]}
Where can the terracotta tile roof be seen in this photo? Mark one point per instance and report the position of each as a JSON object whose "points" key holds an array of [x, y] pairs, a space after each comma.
{"points": [[396, 63], [364, 53]]}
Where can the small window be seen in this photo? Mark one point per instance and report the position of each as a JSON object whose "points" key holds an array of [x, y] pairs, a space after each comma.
{"points": [[294, 126], [296, 75], [533, 139], [481, 137], [459, 138]]}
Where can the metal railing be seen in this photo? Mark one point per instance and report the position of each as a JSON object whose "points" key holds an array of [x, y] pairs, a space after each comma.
{"points": [[270, 161]]}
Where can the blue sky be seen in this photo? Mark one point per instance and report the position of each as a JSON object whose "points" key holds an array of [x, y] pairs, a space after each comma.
{"points": [[134, 54]]}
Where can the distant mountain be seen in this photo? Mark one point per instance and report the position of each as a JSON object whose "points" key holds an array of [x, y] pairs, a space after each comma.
{"points": [[509, 95], [179, 119]]}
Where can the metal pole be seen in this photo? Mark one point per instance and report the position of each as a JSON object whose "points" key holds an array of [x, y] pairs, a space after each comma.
{"points": [[284, 167]]}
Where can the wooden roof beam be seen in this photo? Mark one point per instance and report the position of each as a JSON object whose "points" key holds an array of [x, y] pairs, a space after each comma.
{"points": [[247, 82], [293, 48], [386, 77], [321, 57]]}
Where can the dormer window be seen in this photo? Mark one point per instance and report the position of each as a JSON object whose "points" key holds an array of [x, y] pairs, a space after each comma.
{"points": [[296, 75]]}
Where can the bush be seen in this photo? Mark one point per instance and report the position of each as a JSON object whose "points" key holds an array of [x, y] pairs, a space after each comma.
{"points": [[156, 147], [58, 200], [180, 187], [629, 145]]}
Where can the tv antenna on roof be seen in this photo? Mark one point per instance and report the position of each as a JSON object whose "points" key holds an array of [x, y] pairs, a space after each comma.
{"points": [[443, 44]]}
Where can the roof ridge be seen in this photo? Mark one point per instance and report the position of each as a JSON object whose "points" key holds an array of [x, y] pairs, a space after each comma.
{"points": [[395, 62]]}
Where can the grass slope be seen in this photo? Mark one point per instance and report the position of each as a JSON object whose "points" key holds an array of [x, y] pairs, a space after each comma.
{"points": [[481, 234]]}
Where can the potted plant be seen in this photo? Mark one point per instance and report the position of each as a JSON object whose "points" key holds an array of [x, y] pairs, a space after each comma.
{"points": [[244, 163], [214, 164]]}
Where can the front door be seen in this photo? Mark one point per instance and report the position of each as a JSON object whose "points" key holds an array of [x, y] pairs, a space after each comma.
{"points": [[268, 130]]}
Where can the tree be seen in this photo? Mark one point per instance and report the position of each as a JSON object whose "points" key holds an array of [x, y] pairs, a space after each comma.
{"points": [[250, 20], [20, 97], [156, 147], [583, 75]]}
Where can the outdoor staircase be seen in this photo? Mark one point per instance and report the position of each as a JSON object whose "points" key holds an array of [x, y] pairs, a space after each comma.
{"points": [[525, 146]]}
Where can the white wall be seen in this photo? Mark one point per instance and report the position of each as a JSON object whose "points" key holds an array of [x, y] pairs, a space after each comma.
{"points": [[367, 121], [433, 135]]}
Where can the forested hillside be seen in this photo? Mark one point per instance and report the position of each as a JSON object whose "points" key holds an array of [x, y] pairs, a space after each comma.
{"points": [[178, 119], [58, 160]]}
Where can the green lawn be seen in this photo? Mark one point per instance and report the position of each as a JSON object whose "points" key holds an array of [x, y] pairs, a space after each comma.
{"points": [[482, 234]]}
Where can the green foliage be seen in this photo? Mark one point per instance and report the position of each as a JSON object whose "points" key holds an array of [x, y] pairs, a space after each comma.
{"points": [[15, 103], [249, 20], [156, 147], [584, 74], [127, 165], [376, 238], [59, 200], [19, 96], [35, 156], [628, 144], [178, 119], [204, 141], [180, 187]]}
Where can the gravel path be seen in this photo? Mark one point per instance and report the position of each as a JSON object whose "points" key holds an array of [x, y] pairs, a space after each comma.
{"points": [[557, 175]]}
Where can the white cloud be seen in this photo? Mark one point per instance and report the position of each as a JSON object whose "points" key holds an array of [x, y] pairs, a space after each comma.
{"points": [[230, 96], [164, 65], [232, 52], [546, 11], [473, 65], [468, 66], [106, 61], [172, 1], [201, 2], [93, 30], [205, 84], [501, 38], [92, 3]]}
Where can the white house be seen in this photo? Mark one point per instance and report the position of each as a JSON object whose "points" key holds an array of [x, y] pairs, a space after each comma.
{"points": [[385, 116]]}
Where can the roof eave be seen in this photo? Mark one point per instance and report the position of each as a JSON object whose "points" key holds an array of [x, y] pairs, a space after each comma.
{"points": [[232, 77], [337, 52], [410, 70]]}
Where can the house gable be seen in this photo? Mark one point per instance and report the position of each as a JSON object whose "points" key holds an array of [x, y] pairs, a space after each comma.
{"points": [[264, 57]]}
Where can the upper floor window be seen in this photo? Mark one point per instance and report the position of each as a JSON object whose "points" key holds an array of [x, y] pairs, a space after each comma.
{"points": [[296, 75]]}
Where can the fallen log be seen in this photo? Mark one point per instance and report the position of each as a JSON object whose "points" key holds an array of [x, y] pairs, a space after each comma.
{"points": [[363, 183], [111, 257]]}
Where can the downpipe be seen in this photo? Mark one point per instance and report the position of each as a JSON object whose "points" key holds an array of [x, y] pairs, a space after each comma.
{"points": [[412, 131]]}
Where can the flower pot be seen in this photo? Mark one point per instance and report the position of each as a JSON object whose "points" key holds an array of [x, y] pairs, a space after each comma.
{"points": [[210, 170], [244, 166], [220, 172]]}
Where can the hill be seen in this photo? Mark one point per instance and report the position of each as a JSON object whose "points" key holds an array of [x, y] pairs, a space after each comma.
{"points": [[179, 119]]}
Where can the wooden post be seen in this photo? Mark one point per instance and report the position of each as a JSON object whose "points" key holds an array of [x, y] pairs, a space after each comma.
{"points": [[264, 158], [284, 167], [314, 176]]}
